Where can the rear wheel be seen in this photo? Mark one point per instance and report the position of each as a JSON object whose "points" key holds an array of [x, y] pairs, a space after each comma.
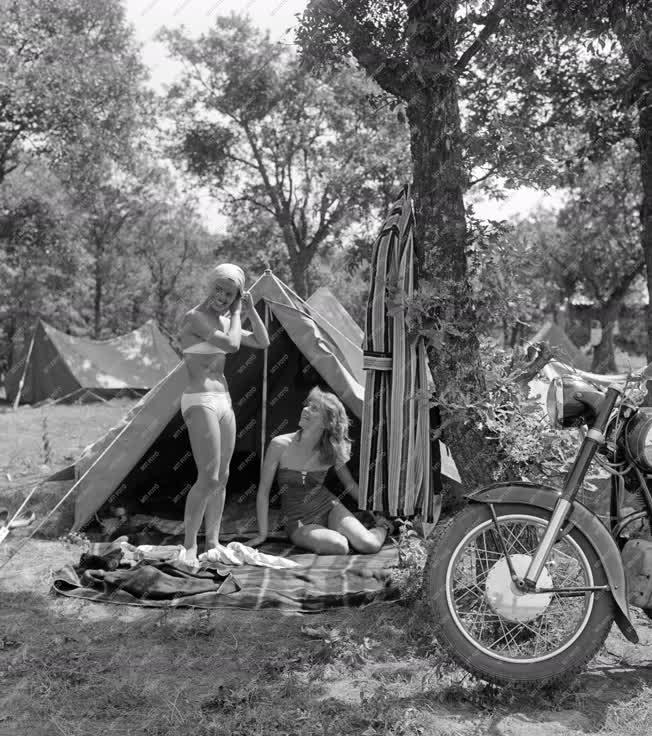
{"points": [[498, 632]]}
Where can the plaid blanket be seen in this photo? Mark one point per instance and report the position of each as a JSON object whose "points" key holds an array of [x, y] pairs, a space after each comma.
{"points": [[321, 582]]}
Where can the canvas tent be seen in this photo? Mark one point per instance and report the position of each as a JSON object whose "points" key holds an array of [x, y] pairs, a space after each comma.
{"points": [[63, 367], [145, 464], [327, 304], [562, 346]]}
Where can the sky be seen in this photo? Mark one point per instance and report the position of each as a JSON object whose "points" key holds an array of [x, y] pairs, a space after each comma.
{"points": [[148, 16], [279, 18]]}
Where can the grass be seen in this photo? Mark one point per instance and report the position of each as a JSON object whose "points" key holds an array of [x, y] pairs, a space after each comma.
{"points": [[36, 442], [76, 668]]}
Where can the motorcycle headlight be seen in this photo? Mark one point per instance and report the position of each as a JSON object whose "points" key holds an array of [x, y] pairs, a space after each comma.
{"points": [[638, 437], [555, 402]]}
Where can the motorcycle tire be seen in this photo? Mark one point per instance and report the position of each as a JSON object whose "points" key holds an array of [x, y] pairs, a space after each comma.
{"points": [[558, 669]]}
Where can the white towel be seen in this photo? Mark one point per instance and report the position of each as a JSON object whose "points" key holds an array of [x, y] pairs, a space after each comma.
{"points": [[236, 553]]}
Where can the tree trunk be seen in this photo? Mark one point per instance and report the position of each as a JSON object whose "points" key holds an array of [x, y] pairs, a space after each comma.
{"points": [[645, 148], [299, 264], [99, 284], [441, 232], [634, 31], [135, 313], [604, 358]]}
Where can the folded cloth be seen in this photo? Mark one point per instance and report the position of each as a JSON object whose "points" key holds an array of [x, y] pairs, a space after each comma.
{"points": [[236, 553], [150, 583]]}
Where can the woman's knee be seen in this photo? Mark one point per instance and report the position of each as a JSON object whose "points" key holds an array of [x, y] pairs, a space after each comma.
{"points": [[335, 544], [367, 545], [211, 484], [331, 543]]}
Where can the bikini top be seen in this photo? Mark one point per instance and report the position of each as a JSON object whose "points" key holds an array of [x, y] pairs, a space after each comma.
{"points": [[204, 348]]}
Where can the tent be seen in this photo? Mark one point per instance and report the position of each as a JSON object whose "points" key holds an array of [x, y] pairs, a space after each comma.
{"points": [[562, 346], [145, 464], [67, 368], [327, 304]]}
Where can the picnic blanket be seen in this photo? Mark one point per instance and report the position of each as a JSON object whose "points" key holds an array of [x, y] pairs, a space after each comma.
{"points": [[318, 583]]}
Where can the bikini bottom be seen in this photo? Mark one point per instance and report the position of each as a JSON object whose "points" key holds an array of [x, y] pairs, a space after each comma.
{"points": [[217, 401]]}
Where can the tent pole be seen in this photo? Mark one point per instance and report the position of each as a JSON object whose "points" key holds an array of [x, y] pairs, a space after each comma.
{"points": [[263, 417], [22, 378]]}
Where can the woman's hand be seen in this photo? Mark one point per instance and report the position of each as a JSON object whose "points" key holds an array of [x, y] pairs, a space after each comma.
{"points": [[247, 303], [236, 305]]}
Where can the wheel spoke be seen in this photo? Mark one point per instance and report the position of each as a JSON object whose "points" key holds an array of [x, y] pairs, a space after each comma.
{"points": [[552, 625]]}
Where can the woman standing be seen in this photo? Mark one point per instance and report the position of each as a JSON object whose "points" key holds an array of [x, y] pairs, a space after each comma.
{"points": [[211, 331]]}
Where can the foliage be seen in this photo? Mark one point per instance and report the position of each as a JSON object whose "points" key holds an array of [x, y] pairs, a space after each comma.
{"points": [[76, 539], [412, 555], [40, 256], [312, 155], [542, 100], [70, 74], [518, 422], [72, 106], [591, 248]]}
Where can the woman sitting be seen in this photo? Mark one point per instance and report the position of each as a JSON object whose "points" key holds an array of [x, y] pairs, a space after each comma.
{"points": [[313, 517]]}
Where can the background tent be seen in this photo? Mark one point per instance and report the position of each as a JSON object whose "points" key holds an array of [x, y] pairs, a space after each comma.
{"points": [[562, 346], [146, 465], [64, 367], [327, 304]]}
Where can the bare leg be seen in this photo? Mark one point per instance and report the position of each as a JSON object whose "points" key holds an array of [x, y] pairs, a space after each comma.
{"points": [[205, 441], [215, 504], [319, 539], [366, 541]]}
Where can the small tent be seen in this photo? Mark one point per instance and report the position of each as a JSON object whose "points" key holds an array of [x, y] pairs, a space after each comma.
{"points": [[66, 368], [563, 348], [146, 465], [327, 304]]}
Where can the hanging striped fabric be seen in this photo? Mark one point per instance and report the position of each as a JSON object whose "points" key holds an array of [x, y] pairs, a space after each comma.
{"points": [[395, 462]]}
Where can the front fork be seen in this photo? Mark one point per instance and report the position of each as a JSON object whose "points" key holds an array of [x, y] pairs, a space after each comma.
{"points": [[594, 438]]}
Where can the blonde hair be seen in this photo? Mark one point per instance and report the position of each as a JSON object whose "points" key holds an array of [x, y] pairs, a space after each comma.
{"points": [[335, 443]]}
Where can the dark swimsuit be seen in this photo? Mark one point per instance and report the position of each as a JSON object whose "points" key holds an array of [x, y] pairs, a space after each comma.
{"points": [[304, 498]]}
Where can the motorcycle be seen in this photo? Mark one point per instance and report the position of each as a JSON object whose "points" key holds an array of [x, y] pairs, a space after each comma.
{"points": [[526, 581]]}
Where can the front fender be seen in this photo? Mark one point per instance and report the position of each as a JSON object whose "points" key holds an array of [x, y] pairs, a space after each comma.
{"points": [[586, 522]]}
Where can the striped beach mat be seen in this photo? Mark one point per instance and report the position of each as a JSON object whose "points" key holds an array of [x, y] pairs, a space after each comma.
{"points": [[396, 466], [318, 583]]}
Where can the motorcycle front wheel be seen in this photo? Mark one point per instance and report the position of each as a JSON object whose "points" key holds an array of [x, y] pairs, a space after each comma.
{"points": [[497, 632]]}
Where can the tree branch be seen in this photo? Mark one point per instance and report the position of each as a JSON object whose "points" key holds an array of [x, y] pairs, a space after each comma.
{"points": [[491, 172], [246, 198], [390, 73], [619, 292], [494, 16]]}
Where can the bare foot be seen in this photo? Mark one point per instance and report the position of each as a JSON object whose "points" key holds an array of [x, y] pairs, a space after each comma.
{"points": [[189, 556]]}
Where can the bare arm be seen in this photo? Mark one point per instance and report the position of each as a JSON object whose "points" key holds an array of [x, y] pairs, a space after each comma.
{"points": [[270, 465], [348, 481], [228, 340], [257, 337]]}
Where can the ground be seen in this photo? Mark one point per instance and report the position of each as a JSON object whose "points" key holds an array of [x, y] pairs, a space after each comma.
{"points": [[72, 667]]}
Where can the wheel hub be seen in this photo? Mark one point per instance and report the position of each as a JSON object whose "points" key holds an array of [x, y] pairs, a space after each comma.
{"points": [[507, 600]]}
